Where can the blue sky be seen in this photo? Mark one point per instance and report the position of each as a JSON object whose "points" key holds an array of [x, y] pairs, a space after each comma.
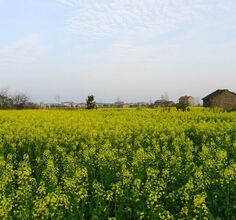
{"points": [[136, 50]]}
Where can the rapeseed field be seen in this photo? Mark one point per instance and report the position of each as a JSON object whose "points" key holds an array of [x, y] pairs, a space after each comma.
{"points": [[117, 164]]}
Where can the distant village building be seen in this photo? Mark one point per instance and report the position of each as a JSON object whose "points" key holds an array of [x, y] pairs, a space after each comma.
{"points": [[139, 104], [100, 105], [52, 105], [69, 104], [32, 105], [125, 106], [163, 103], [222, 98], [120, 104], [81, 105], [187, 99], [104, 105]]}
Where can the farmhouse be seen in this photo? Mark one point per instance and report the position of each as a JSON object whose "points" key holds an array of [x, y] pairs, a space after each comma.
{"points": [[120, 104], [187, 99], [69, 104], [222, 98], [163, 103]]}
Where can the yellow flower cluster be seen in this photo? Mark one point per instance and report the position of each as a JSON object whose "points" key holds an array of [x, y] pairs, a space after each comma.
{"points": [[118, 164]]}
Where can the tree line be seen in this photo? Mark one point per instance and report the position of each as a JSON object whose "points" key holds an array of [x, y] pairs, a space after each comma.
{"points": [[16, 101], [22, 101]]}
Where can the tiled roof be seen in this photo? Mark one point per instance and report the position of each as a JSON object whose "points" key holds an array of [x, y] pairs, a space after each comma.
{"points": [[185, 97], [217, 92]]}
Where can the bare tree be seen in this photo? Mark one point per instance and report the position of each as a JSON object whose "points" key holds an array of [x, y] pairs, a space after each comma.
{"points": [[20, 100], [5, 99], [165, 96]]}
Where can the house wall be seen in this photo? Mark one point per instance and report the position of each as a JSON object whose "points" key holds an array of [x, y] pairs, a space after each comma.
{"points": [[226, 100], [189, 100], [207, 103]]}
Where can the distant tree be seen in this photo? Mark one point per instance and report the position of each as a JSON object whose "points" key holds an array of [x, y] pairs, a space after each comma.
{"points": [[20, 100], [91, 104], [183, 106], [5, 99], [165, 96]]}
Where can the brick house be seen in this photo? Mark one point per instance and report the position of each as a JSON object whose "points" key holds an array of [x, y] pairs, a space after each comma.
{"points": [[69, 104], [163, 103], [120, 104], [187, 99], [222, 98]]}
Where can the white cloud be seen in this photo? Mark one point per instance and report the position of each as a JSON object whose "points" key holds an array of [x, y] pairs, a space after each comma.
{"points": [[98, 19], [22, 52], [151, 46], [67, 3]]}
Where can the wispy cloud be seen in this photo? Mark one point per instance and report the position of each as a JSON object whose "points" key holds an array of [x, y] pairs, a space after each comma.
{"points": [[131, 28], [22, 52], [67, 3], [97, 19]]}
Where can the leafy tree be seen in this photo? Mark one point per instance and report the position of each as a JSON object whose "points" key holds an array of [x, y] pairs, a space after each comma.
{"points": [[91, 104]]}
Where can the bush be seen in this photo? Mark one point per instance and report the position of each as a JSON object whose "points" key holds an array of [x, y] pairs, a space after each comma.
{"points": [[183, 106]]}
